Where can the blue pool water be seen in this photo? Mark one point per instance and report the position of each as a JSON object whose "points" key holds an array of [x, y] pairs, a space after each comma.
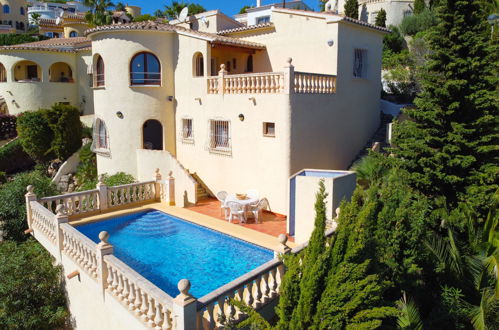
{"points": [[165, 249]]}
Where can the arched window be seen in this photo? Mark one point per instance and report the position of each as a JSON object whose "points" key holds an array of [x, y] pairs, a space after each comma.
{"points": [[152, 135], [60, 72], [6, 9], [198, 65], [100, 136], [99, 72], [27, 71], [73, 34], [3, 73], [145, 70], [22, 11], [249, 64]]}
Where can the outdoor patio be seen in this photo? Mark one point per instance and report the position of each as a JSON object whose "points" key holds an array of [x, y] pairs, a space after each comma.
{"points": [[270, 223]]}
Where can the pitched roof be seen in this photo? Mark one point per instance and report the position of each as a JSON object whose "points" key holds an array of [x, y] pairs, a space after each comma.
{"points": [[246, 28], [156, 26], [61, 45]]}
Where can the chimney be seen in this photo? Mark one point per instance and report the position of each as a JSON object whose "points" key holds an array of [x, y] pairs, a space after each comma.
{"points": [[258, 3]]}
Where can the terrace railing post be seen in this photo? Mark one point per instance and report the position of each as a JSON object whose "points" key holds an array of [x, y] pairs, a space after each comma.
{"points": [[103, 249], [157, 185], [102, 187], [282, 248], [221, 77], [289, 77], [60, 218], [171, 189], [184, 308], [30, 197]]}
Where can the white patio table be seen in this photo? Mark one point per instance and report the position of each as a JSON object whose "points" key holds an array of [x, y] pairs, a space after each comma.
{"points": [[244, 202]]}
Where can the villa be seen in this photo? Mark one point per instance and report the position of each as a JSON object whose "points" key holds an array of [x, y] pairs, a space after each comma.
{"points": [[208, 104]]}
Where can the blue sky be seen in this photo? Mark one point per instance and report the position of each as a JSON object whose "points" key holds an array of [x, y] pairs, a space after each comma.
{"points": [[229, 7]]}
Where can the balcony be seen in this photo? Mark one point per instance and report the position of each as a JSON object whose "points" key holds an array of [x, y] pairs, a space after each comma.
{"points": [[288, 82]]}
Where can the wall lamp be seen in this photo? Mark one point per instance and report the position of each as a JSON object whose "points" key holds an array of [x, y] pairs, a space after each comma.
{"points": [[119, 114], [241, 117]]}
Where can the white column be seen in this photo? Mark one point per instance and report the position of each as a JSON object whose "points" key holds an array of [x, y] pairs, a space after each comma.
{"points": [[30, 197], [102, 187], [221, 74], [282, 248], [60, 218], [171, 189], [103, 248], [289, 77], [157, 185], [185, 308]]}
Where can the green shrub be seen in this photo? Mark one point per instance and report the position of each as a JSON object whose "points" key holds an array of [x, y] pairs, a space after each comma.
{"points": [[31, 294], [13, 206], [64, 120], [35, 135], [3, 177], [86, 132], [14, 39], [86, 173], [13, 158], [393, 41], [118, 179], [419, 22], [7, 126]]}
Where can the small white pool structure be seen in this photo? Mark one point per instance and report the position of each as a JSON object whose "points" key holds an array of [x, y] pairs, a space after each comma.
{"points": [[302, 187]]}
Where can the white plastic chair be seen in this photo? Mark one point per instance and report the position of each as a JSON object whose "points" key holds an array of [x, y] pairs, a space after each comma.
{"points": [[252, 193], [222, 196], [236, 210], [256, 209]]}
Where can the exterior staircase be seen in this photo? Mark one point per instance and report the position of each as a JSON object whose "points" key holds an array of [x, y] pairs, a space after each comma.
{"points": [[202, 191]]}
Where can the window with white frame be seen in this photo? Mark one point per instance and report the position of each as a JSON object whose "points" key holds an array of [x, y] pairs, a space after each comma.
{"points": [[100, 141], [360, 63], [187, 132], [219, 139]]}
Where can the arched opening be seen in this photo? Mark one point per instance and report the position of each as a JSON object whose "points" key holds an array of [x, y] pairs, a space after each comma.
{"points": [[145, 69], [6, 9], [21, 10], [21, 26], [99, 79], [152, 135], [249, 64], [198, 65], [26, 71], [3, 73], [100, 136], [73, 34], [60, 72]]}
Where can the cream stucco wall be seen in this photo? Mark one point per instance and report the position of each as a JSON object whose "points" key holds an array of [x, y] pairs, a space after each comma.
{"points": [[79, 28], [33, 95], [15, 13], [137, 103]]}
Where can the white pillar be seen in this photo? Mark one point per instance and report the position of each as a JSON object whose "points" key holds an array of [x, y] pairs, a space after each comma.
{"points": [[171, 189], [103, 248], [157, 185], [60, 218], [289, 77], [221, 74], [30, 197], [185, 307], [282, 248], [102, 187]]}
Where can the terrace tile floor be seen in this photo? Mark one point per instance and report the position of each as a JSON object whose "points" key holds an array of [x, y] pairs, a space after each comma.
{"points": [[271, 224]]}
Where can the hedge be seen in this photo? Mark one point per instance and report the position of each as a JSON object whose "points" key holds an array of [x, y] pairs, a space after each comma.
{"points": [[13, 159], [7, 126], [35, 135]]}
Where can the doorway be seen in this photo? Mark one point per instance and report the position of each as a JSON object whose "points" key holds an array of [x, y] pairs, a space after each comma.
{"points": [[152, 135]]}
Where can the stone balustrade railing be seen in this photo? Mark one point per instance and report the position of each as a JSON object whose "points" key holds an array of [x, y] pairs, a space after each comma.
{"points": [[152, 305], [131, 193], [80, 248], [286, 82], [75, 203], [43, 221], [255, 288], [313, 83], [104, 197]]}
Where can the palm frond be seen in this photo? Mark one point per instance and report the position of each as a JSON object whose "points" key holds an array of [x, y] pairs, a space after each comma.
{"points": [[409, 317]]}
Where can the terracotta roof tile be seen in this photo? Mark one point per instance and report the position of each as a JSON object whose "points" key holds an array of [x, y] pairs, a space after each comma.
{"points": [[156, 26], [246, 28], [63, 45]]}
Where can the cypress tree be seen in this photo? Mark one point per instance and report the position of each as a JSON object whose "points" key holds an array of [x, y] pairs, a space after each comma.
{"points": [[352, 9], [450, 146], [419, 6], [381, 18]]}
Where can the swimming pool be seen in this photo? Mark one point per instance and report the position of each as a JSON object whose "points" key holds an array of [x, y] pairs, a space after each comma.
{"points": [[165, 249]]}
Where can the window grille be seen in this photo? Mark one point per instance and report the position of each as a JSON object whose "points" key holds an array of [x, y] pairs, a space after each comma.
{"points": [[187, 131], [99, 76], [100, 143], [359, 64], [219, 140]]}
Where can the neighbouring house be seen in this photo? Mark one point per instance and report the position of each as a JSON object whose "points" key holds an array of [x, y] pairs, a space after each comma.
{"points": [[261, 14], [13, 16], [39, 74], [396, 10], [67, 25]]}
